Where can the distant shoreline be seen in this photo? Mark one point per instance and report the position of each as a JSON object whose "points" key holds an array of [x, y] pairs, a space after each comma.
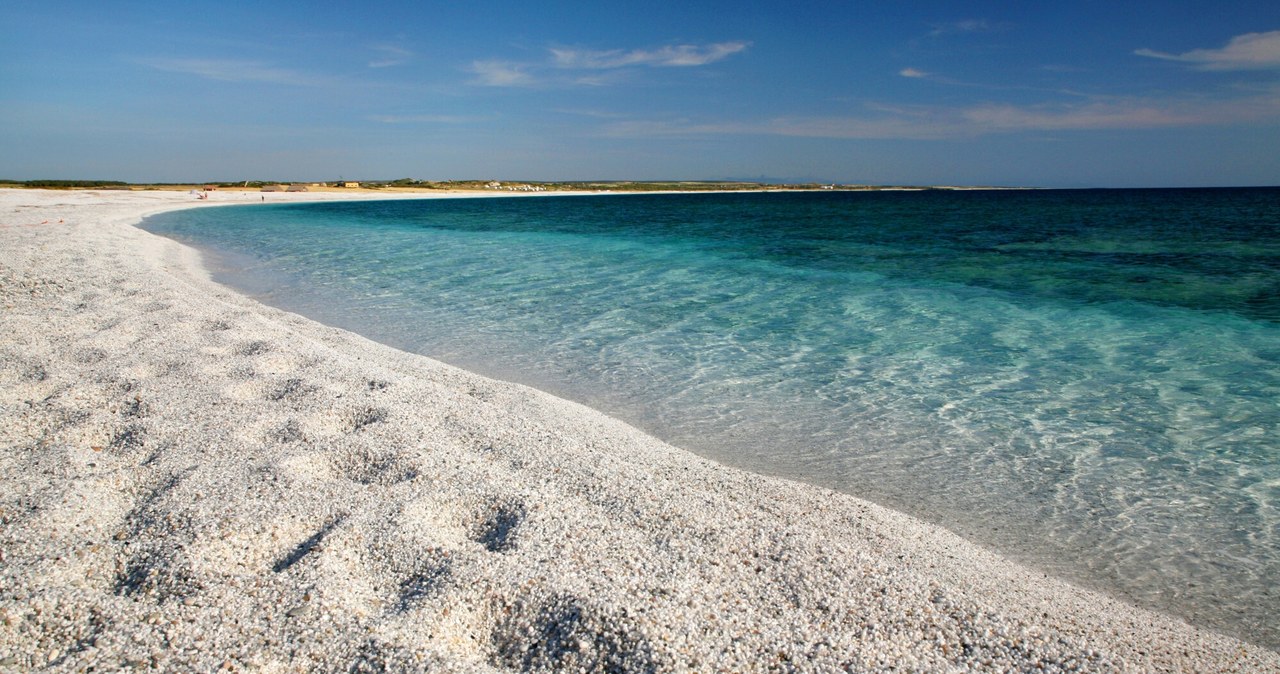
{"points": [[490, 186]]}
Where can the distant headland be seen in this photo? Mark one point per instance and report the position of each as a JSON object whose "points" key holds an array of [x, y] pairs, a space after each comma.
{"points": [[410, 184]]}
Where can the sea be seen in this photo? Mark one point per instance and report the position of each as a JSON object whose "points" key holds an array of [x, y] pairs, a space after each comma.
{"points": [[1086, 381]]}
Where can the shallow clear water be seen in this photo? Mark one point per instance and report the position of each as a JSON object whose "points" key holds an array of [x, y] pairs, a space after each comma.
{"points": [[1088, 381]]}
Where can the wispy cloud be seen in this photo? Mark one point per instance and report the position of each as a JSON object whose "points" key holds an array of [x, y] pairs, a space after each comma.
{"points": [[426, 119], [597, 114], [869, 127], [389, 55], [967, 26], [935, 78], [1251, 51], [501, 74], [567, 66], [235, 71], [599, 78], [1093, 116], [684, 55], [879, 121]]}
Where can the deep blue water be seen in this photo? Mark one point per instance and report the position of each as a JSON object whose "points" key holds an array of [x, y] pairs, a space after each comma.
{"points": [[1088, 381]]}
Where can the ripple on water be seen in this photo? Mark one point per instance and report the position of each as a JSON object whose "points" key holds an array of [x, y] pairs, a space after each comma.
{"points": [[1086, 381]]}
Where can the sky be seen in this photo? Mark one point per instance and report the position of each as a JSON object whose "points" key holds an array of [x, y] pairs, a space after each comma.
{"points": [[1064, 94]]}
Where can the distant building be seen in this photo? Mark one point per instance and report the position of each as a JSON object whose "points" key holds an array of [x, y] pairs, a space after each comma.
{"points": [[297, 188], [351, 184], [495, 185]]}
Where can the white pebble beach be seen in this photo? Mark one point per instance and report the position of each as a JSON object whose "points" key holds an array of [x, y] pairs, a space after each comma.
{"points": [[193, 481]]}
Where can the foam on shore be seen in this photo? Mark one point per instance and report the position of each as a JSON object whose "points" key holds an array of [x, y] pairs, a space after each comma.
{"points": [[191, 480]]}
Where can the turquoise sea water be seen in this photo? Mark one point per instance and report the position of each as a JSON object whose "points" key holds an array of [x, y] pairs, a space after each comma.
{"points": [[1087, 381]]}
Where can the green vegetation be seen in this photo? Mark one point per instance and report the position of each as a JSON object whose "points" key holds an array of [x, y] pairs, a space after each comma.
{"points": [[408, 182]]}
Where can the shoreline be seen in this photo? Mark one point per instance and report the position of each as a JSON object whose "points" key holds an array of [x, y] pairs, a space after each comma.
{"points": [[191, 477]]}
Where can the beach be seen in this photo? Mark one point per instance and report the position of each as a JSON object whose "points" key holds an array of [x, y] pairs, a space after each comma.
{"points": [[195, 481]]}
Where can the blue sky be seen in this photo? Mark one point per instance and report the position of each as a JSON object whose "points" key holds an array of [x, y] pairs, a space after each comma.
{"points": [[1063, 94]]}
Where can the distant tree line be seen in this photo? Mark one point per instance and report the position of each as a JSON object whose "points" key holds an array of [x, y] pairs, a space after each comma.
{"points": [[56, 184]]}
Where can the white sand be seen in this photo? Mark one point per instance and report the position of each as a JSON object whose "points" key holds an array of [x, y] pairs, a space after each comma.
{"points": [[192, 480]]}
